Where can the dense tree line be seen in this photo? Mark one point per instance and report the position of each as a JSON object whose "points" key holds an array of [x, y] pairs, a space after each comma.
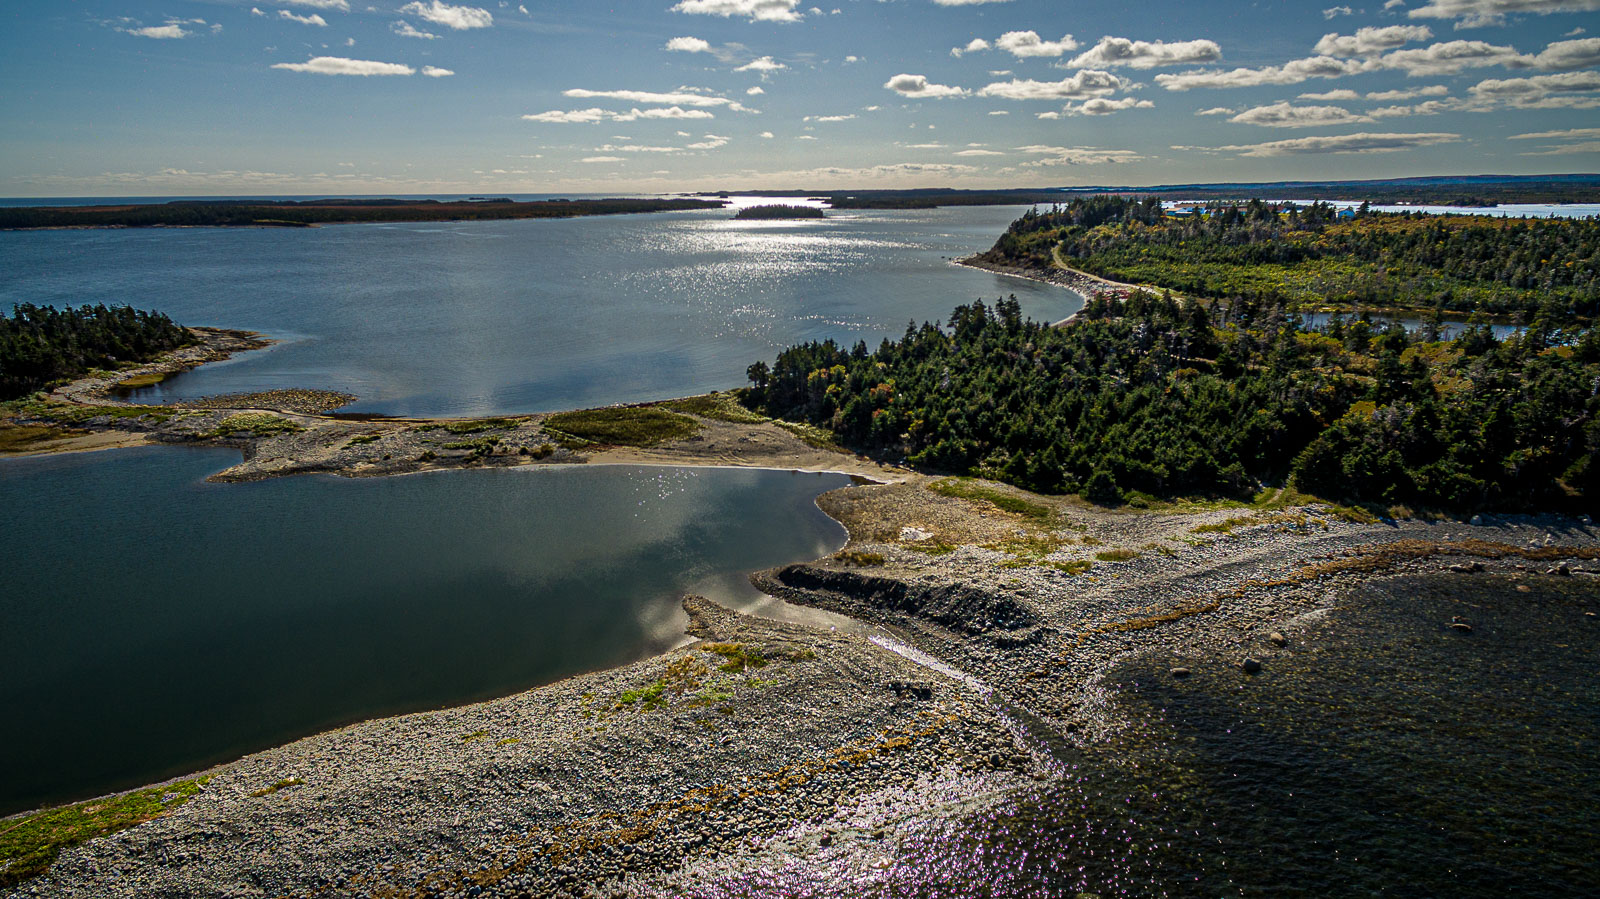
{"points": [[1167, 398], [40, 344], [212, 213], [1311, 256]]}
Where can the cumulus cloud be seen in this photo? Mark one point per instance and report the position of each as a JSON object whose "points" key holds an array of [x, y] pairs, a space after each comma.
{"points": [[966, 2], [338, 65], [828, 118], [761, 64], [979, 153], [1433, 90], [1371, 41], [689, 45], [975, 45], [1564, 55], [340, 5], [595, 114], [1286, 115], [1568, 134], [1340, 94], [595, 159], [167, 32], [754, 10], [1076, 156], [459, 18], [1565, 90], [1028, 43], [1343, 143], [1451, 57], [312, 19], [1478, 13], [1429, 107], [406, 29], [918, 87], [436, 72], [1334, 12], [1218, 110], [1119, 51], [754, 91], [1084, 85], [1104, 106], [711, 142], [1292, 72], [675, 98]]}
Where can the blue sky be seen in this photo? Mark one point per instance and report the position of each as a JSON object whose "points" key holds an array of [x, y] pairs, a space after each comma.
{"points": [[160, 97]]}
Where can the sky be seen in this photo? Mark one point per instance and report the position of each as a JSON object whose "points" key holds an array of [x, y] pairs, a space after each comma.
{"points": [[218, 97]]}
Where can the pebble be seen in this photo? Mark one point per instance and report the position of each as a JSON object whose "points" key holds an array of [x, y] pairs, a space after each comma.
{"points": [[1180, 672], [1250, 665]]}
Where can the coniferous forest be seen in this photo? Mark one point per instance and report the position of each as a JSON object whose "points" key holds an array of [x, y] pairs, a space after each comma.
{"points": [[41, 344], [1152, 395]]}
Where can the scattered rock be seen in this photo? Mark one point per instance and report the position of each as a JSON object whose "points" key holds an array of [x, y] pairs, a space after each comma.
{"points": [[1278, 639], [1184, 672], [1524, 588], [1250, 665], [1461, 627]]}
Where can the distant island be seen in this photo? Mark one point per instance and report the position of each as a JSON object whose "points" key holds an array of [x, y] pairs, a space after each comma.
{"points": [[304, 213], [778, 211]]}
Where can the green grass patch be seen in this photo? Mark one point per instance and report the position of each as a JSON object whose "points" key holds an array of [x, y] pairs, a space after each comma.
{"points": [[1116, 555], [1225, 526], [648, 696], [148, 379], [933, 546], [482, 444], [858, 558], [812, 436], [737, 656], [970, 489], [258, 424], [623, 426], [28, 846], [720, 406], [360, 439], [284, 784], [22, 438], [476, 736]]}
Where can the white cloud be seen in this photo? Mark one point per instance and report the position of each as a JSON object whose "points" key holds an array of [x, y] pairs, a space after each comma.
{"points": [[312, 19], [1342, 143], [459, 18], [1076, 156], [1119, 51], [340, 5], [405, 29], [1576, 31], [1429, 107], [1393, 4], [1028, 43], [1286, 115], [596, 114], [966, 2], [689, 45], [169, 31], [1435, 90], [1563, 55], [754, 10], [765, 134], [712, 142], [999, 112], [1370, 41], [1590, 146], [828, 118], [1292, 72], [1104, 106], [256, 12], [1568, 134], [1336, 11], [1477, 13], [918, 86], [761, 64], [637, 148], [1451, 57], [1561, 91], [336, 65], [436, 72], [975, 45], [594, 159], [754, 91], [1082, 86], [1340, 94], [675, 98], [979, 153], [1219, 110], [933, 146]]}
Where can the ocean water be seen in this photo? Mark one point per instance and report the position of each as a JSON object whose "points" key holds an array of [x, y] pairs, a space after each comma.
{"points": [[480, 318], [155, 623]]}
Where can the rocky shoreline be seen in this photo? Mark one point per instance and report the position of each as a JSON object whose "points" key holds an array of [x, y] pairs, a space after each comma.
{"points": [[764, 757]]}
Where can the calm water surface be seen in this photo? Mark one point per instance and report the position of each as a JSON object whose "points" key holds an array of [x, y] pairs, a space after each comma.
{"points": [[484, 318], [155, 623]]}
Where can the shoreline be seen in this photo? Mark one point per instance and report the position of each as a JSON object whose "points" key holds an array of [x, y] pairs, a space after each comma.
{"points": [[1002, 631], [1081, 283]]}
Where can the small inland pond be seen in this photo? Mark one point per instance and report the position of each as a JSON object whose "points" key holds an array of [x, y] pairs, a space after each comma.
{"points": [[156, 623]]}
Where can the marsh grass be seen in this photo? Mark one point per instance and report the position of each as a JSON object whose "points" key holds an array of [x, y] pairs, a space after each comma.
{"points": [[29, 845], [622, 425], [972, 490], [720, 406], [258, 424], [21, 438]]}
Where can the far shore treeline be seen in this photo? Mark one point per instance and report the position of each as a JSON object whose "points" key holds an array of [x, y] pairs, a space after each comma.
{"points": [[293, 213], [1149, 396], [40, 345]]}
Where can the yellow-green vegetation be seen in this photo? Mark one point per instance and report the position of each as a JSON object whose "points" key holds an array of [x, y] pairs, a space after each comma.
{"points": [[971, 489], [933, 546], [622, 425], [476, 736], [29, 845], [480, 445], [148, 379], [271, 788], [258, 424], [1116, 555], [22, 438], [720, 406], [70, 413], [737, 656], [360, 439], [812, 436], [858, 558], [472, 426]]}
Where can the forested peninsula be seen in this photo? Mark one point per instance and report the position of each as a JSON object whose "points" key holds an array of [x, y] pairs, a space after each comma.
{"points": [[1148, 396], [304, 213]]}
